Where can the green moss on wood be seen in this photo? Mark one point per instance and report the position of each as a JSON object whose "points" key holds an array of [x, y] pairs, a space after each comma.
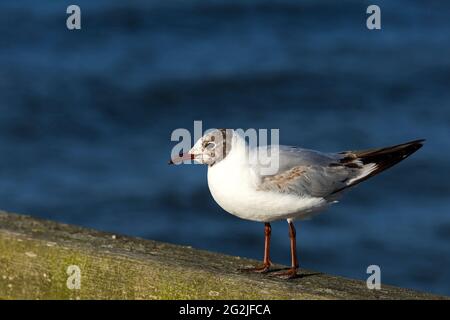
{"points": [[35, 254]]}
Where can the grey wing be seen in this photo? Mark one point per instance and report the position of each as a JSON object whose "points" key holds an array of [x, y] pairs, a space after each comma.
{"points": [[308, 172]]}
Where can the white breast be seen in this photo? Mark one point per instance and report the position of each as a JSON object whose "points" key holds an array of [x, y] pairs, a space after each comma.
{"points": [[234, 186]]}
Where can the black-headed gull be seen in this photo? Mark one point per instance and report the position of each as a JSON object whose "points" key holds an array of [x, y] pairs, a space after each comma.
{"points": [[304, 183]]}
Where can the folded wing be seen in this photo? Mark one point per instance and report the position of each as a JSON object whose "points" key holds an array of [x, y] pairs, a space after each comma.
{"points": [[306, 172]]}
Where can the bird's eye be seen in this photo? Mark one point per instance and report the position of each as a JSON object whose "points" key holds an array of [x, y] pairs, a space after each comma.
{"points": [[210, 145]]}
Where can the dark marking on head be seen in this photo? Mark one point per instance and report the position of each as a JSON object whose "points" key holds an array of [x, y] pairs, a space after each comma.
{"points": [[217, 144]]}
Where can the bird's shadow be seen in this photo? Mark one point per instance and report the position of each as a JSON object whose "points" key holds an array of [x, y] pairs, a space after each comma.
{"points": [[272, 273], [297, 276]]}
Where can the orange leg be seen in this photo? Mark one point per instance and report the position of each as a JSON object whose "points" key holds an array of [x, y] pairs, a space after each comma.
{"points": [[266, 262], [292, 272]]}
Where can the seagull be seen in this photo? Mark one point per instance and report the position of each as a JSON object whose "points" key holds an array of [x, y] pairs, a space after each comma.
{"points": [[304, 183]]}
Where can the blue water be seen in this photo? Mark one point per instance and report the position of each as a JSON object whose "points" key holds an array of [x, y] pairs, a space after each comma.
{"points": [[86, 118]]}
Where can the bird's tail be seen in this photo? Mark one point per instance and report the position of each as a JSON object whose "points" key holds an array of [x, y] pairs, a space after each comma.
{"points": [[374, 161]]}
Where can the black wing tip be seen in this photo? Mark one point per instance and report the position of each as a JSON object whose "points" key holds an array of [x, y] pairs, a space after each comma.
{"points": [[409, 147], [418, 141], [416, 144]]}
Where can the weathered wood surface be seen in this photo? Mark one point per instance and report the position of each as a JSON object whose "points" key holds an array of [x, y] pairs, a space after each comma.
{"points": [[35, 255]]}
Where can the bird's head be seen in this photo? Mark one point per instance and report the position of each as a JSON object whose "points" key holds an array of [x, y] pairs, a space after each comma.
{"points": [[213, 147]]}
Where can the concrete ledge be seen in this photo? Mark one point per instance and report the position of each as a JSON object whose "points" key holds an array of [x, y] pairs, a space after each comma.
{"points": [[35, 255]]}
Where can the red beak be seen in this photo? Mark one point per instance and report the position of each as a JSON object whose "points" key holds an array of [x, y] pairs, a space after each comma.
{"points": [[183, 157]]}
